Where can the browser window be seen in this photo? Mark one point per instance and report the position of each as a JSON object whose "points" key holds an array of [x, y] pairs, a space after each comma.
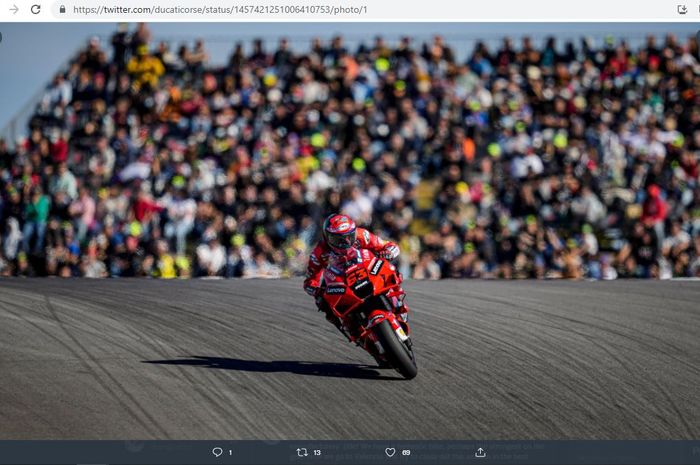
{"points": [[296, 232]]}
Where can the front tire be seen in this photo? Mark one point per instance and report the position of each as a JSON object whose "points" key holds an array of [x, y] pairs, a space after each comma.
{"points": [[398, 354]]}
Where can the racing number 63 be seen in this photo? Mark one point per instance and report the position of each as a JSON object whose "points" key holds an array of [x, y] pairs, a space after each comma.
{"points": [[359, 274]]}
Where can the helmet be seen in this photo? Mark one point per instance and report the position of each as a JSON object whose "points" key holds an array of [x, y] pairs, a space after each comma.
{"points": [[339, 232]]}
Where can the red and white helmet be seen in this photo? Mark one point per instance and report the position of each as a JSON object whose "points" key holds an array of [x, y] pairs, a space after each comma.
{"points": [[339, 231]]}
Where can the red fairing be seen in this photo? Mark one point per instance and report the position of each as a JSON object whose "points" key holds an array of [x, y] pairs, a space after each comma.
{"points": [[350, 281], [318, 260]]}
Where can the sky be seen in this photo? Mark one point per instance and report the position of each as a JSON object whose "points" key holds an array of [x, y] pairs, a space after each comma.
{"points": [[30, 53]]}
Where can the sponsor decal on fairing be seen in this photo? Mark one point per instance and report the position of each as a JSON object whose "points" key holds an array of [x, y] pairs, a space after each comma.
{"points": [[377, 266], [401, 334], [335, 290], [374, 319], [361, 284]]}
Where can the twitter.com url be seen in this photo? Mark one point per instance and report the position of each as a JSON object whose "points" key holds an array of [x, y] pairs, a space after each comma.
{"points": [[236, 10]]}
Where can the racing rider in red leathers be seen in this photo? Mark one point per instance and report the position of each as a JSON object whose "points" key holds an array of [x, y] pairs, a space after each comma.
{"points": [[340, 234]]}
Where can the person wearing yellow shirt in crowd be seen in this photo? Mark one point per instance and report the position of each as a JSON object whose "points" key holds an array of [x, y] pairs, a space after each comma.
{"points": [[145, 68], [165, 262]]}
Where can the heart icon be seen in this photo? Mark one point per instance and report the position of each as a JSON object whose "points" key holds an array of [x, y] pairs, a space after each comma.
{"points": [[390, 451]]}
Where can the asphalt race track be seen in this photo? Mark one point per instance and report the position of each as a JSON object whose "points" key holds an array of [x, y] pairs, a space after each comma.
{"points": [[251, 359]]}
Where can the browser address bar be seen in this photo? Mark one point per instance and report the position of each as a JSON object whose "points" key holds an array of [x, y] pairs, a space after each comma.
{"points": [[348, 10]]}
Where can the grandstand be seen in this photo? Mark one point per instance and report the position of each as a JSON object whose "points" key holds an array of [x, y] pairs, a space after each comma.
{"points": [[498, 158]]}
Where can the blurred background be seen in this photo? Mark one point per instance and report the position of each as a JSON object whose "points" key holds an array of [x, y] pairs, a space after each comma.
{"points": [[485, 150]]}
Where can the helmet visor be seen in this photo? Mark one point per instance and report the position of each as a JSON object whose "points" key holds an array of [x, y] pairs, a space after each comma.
{"points": [[342, 241]]}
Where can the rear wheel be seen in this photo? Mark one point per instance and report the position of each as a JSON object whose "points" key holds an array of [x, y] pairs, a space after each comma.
{"points": [[398, 354]]}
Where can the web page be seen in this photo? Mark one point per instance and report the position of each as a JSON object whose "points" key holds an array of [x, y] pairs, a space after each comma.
{"points": [[354, 233]]}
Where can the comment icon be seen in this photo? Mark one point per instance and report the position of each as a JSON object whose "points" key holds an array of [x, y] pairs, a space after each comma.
{"points": [[217, 451]]}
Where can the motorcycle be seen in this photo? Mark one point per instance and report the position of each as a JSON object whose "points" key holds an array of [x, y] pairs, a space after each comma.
{"points": [[363, 291]]}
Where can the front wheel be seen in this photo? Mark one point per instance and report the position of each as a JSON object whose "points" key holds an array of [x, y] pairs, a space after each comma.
{"points": [[398, 354]]}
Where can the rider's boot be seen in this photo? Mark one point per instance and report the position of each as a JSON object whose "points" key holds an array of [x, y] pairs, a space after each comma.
{"points": [[334, 320], [342, 328]]}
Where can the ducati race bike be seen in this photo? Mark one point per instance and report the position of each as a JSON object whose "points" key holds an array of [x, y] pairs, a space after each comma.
{"points": [[364, 292]]}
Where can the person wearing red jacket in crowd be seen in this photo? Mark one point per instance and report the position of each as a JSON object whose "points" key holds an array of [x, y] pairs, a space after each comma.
{"points": [[339, 235], [654, 209]]}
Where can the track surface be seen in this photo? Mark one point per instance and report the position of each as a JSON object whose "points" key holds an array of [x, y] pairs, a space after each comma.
{"points": [[139, 359]]}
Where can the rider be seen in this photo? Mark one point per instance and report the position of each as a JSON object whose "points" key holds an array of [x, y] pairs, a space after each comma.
{"points": [[340, 234]]}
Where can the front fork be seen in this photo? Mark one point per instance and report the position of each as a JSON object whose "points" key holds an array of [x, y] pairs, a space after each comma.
{"points": [[369, 340], [396, 299]]}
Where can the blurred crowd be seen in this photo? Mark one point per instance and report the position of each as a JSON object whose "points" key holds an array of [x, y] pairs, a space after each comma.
{"points": [[558, 160]]}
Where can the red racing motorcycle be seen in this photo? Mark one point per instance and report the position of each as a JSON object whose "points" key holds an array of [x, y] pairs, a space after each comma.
{"points": [[363, 291]]}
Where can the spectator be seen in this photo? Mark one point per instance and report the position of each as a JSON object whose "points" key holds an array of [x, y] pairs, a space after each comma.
{"points": [[83, 211], [120, 46], [211, 256], [145, 69], [654, 210], [426, 268], [36, 213], [64, 182], [198, 58], [181, 212], [165, 264]]}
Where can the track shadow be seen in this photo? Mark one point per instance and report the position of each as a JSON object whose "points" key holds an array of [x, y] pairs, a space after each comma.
{"points": [[332, 370]]}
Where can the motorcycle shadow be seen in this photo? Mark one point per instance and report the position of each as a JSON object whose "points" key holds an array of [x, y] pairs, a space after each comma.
{"points": [[325, 369]]}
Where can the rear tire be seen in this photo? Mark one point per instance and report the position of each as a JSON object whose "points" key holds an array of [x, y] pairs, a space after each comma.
{"points": [[398, 354]]}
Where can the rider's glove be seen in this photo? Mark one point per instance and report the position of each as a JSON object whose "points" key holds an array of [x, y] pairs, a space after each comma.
{"points": [[311, 286], [390, 252], [311, 289]]}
